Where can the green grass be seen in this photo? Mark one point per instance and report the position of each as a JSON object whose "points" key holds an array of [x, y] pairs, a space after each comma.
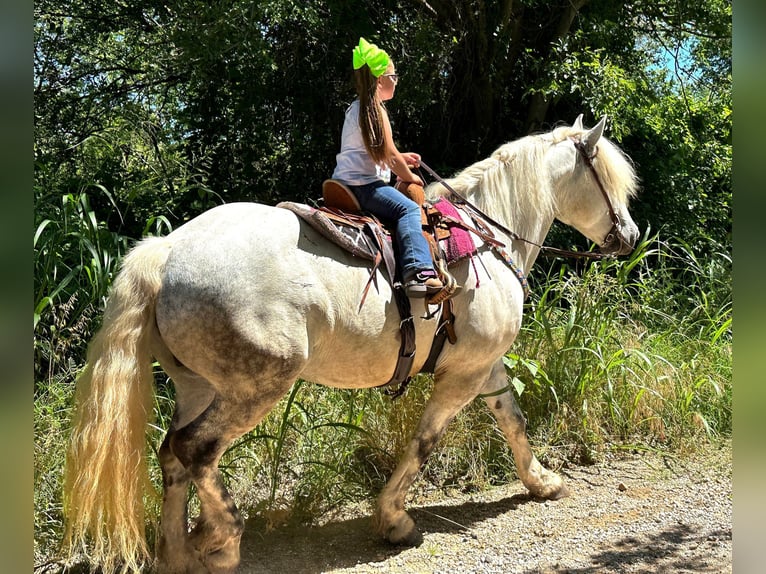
{"points": [[76, 258], [632, 353]]}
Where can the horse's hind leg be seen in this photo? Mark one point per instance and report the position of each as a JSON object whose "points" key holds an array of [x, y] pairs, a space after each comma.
{"points": [[198, 446], [540, 481], [193, 395], [204, 425], [174, 552]]}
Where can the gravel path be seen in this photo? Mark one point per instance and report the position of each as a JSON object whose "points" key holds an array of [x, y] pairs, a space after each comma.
{"points": [[634, 513]]}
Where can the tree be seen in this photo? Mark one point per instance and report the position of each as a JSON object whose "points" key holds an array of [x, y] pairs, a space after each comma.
{"points": [[661, 71], [153, 112]]}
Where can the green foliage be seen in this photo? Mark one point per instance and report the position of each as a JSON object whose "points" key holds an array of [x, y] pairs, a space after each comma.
{"points": [[52, 410], [190, 104], [314, 453], [75, 260], [637, 350]]}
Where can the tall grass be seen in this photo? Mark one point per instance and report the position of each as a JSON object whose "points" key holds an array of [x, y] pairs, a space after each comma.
{"points": [[75, 259], [632, 353]]}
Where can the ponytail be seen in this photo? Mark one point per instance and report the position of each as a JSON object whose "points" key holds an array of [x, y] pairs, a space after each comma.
{"points": [[371, 114]]}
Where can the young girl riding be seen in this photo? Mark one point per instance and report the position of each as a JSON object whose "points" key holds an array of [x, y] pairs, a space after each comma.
{"points": [[367, 157]]}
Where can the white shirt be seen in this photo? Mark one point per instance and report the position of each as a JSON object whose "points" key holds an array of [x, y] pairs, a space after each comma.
{"points": [[354, 166]]}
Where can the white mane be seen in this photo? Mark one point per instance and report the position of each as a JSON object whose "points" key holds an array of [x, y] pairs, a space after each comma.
{"points": [[513, 186]]}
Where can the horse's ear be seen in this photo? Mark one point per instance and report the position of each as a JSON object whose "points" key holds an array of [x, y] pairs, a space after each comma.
{"points": [[591, 137], [578, 123]]}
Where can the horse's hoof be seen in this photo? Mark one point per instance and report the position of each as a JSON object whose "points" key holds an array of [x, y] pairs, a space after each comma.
{"points": [[189, 566], [411, 539], [400, 531], [183, 560], [554, 491], [561, 492], [224, 560]]}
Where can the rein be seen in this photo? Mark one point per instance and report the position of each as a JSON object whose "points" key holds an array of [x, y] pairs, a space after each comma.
{"points": [[613, 232]]}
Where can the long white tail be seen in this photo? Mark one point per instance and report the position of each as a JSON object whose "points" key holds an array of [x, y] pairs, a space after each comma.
{"points": [[106, 475]]}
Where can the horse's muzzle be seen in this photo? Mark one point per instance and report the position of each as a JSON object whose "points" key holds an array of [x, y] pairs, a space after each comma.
{"points": [[619, 241]]}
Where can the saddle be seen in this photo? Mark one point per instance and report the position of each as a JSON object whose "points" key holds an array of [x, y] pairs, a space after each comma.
{"points": [[341, 220]]}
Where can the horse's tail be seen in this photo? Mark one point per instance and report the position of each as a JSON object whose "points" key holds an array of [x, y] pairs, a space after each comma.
{"points": [[106, 475]]}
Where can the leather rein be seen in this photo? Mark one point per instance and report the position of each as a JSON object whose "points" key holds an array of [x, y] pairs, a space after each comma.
{"points": [[613, 233]]}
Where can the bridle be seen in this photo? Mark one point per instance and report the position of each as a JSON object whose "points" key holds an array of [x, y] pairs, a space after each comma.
{"points": [[614, 232], [616, 229]]}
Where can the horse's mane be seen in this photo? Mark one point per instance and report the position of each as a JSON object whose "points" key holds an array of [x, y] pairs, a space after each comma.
{"points": [[512, 185]]}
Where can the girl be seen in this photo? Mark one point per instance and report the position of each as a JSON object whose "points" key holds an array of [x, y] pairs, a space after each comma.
{"points": [[368, 156]]}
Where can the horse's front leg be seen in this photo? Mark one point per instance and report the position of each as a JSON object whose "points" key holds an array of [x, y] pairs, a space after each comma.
{"points": [[391, 521], [540, 481]]}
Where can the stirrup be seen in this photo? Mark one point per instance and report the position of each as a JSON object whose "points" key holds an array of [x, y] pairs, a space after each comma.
{"points": [[450, 288], [419, 285]]}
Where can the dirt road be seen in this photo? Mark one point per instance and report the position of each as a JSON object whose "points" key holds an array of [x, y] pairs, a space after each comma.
{"points": [[633, 513]]}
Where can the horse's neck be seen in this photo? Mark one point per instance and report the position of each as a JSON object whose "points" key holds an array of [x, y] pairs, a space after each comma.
{"points": [[527, 251], [531, 228]]}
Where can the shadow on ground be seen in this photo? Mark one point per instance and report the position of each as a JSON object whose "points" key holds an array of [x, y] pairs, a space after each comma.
{"points": [[348, 543], [663, 551], [344, 544]]}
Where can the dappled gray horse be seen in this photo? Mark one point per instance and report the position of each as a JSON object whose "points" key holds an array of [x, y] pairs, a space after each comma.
{"points": [[243, 300]]}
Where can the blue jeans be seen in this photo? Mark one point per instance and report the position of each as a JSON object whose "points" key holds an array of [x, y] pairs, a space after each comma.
{"points": [[398, 211]]}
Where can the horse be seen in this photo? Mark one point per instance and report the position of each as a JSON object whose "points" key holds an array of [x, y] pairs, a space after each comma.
{"points": [[245, 299]]}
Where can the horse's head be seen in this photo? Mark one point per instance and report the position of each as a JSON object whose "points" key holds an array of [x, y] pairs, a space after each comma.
{"points": [[594, 182]]}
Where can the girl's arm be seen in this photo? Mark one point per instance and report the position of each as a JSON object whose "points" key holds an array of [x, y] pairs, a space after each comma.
{"points": [[397, 160]]}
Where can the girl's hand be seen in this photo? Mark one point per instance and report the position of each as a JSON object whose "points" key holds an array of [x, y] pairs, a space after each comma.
{"points": [[414, 179], [412, 159]]}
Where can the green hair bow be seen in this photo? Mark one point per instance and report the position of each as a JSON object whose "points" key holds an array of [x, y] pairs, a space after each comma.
{"points": [[374, 57]]}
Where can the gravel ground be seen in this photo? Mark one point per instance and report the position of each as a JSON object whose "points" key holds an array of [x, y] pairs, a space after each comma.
{"points": [[632, 513]]}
